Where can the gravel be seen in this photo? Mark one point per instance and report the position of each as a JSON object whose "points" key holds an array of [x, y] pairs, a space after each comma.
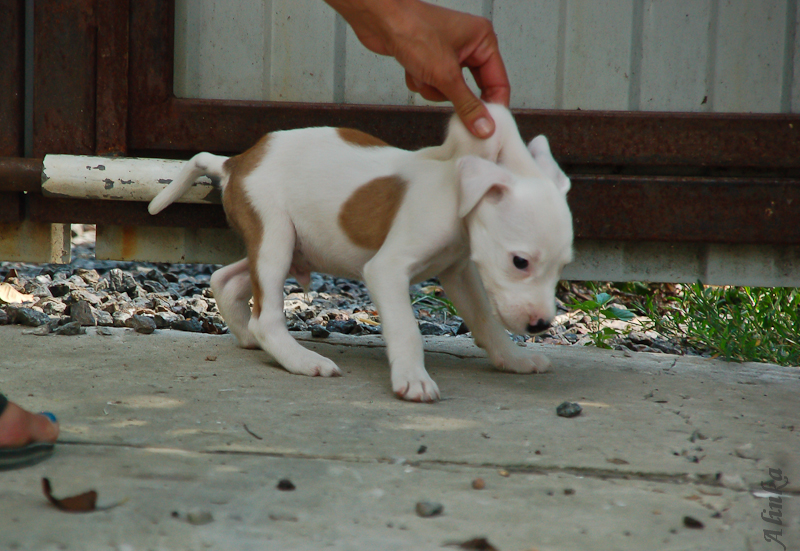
{"points": [[151, 296]]}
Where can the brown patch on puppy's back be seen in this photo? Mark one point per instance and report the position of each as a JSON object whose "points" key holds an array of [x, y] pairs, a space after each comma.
{"points": [[367, 215], [362, 139], [241, 214]]}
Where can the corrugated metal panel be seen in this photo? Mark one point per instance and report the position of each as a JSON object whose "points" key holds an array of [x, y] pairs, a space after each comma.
{"points": [[675, 56], [681, 55]]}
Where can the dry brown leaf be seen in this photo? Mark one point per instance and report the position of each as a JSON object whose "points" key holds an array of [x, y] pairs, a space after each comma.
{"points": [[81, 503], [9, 295]]}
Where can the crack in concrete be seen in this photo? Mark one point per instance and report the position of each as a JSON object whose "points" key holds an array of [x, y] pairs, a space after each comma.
{"points": [[706, 479]]}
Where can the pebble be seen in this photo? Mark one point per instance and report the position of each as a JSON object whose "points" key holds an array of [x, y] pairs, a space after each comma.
{"points": [[479, 484], [81, 313], [70, 329], [746, 451], [568, 409], [173, 293], [285, 485], [141, 324], [198, 518], [28, 317], [691, 522], [428, 509], [60, 289], [190, 325], [427, 328], [732, 482]]}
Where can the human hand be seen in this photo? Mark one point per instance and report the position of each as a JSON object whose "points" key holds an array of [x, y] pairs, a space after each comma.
{"points": [[433, 44]]}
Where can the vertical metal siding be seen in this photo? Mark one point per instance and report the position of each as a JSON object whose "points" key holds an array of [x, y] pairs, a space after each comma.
{"points": [[650, 55]]}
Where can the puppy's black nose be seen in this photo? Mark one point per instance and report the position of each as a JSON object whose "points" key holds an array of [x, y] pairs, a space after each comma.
{"points": [[540, 326]]}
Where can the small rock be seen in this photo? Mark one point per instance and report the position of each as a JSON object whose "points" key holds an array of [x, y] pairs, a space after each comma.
{"points": [[190, 325], [319, 332], [40, 291], [504, 473], [746, 451], [479, 484], [121, 318], [198, 518], [153, 287], [104, 318], [52, 307], [120, 281], [568, 409], [90, 277], [691, 522], [83, 294], [105, 331], [285, 485], [165, 319], [42, 330], [70, 329], [427, 328], [422, 449], [60, 289], [428, 509], [475, 544], [349, 327], [28, 317], [155, 275], [142, 324], [697, 435], [3, 317], [81, 312], [732, 482], [76, 282]]}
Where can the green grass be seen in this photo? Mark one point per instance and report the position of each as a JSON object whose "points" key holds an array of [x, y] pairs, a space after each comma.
{"points": [[434, 301], [734, 323]]}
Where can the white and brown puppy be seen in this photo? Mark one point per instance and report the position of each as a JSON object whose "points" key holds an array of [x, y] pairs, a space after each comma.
{"points": [[489, 217]]}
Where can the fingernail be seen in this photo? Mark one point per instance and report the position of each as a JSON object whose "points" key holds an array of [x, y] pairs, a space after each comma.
{"points": [[484, 127], [49, 415]]}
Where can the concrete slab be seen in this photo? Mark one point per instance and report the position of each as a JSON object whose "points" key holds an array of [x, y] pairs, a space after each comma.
{"points": [[160, 420]]}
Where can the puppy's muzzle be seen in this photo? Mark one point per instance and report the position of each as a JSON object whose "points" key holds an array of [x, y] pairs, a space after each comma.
{"points": [[538, 327]]}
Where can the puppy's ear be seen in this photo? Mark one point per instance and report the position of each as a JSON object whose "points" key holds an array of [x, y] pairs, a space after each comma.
{"points": [[480, 178], [540, 150]]}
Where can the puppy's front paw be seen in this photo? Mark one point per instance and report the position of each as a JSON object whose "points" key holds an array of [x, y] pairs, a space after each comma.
{"points": [[314, 365], [248, 343], [415, 388], [521, 360]]}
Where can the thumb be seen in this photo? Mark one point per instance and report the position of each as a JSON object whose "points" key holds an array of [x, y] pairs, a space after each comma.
{"points": [[471, 110]]}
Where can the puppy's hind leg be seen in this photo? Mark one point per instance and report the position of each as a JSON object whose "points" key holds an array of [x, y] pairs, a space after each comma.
{"points": [[232, 291], [268, 271]]}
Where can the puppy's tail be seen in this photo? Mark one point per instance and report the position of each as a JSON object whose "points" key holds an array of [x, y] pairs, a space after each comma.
{"points": [[202, 164]]}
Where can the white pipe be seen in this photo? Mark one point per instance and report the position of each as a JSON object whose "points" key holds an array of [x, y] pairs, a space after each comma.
{"points": [[120, 179]]}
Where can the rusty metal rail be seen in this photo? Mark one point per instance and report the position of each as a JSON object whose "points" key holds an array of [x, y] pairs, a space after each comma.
{"points": [[605, 207]]}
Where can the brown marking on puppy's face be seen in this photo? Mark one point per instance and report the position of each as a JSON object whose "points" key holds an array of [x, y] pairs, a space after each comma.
{"points": [[367, 215], [362, 139], [240, 212]]}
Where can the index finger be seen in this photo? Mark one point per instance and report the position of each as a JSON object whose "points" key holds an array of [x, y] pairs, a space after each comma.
{"points": [[492, 79]]}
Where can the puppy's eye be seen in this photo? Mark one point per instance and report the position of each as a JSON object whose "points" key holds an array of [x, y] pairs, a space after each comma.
{"points": [[520, 263]]}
